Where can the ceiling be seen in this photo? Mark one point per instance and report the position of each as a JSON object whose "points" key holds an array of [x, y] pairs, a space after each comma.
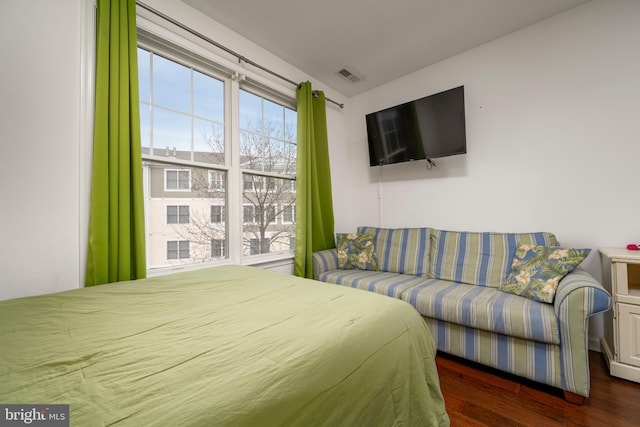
{"points": [[379, 39]]}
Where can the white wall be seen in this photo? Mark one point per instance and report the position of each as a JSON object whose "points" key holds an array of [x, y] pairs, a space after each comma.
{"points": [[45, 165], [553, 137], [40, 123]]}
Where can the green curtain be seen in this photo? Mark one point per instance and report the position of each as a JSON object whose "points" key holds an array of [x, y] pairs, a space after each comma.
{"points": [[314, 205], [116, 229]]}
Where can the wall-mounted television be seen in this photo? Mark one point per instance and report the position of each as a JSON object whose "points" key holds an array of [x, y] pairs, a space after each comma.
{"points": [[427, 128]]}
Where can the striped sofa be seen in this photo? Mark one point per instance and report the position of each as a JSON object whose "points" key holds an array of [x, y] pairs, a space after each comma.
{"points": [[452, 279]]}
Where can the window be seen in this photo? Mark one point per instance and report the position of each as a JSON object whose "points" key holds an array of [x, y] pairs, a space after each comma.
{"points": [[190, 175], [217, 180], [217, 214], [178, 214], [178, 180], [249, 214], [255, 245], [183, 138], [268, 158], [288, 214], [217, 248], [178, 249], [270, 214]]}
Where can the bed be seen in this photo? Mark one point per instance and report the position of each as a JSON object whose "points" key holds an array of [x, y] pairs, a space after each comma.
{"points": [[222, 346]]}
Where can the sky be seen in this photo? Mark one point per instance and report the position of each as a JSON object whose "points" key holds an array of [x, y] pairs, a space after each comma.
{"points": [[180, 114]]}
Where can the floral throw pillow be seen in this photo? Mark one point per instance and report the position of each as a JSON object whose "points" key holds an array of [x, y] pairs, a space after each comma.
{"points": [[537, 270], [356, 252]]}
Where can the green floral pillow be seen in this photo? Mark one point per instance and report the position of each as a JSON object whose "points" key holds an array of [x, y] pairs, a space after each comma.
{"points": [[356, 252], [537, 270]]}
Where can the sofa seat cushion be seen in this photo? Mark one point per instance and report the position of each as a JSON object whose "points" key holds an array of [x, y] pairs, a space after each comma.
{"points": [[485, 308], [389, 284]]}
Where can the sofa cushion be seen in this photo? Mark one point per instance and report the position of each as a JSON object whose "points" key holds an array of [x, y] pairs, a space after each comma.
{"points": [[356, 252], [485, 308], [401, 250], [478, 258], [389, 284], [536, 271]]}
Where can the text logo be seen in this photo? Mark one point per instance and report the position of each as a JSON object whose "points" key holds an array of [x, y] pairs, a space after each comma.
{"points": [[34, 415]]}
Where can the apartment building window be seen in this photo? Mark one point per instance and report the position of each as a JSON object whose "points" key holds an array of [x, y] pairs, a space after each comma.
{"points": [[288, 214], [217, 248], [178, 249], [217, 214], [187, 142], [217, 180], [249, 214], [178, 214], [177, 180], [270, 214], [255, 245], [289, 185]]}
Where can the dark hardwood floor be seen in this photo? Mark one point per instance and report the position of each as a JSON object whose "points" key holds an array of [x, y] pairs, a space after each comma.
{"points": [[480, 396]]}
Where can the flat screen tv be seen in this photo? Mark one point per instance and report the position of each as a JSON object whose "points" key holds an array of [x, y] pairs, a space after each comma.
{"points": [[427, 128]]}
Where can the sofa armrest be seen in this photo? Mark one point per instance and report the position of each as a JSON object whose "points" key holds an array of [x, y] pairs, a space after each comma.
{"points": [[326, 260], [579, 296]]}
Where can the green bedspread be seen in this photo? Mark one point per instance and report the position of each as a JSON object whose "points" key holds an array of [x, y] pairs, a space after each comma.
{"points": [[224, 346]]}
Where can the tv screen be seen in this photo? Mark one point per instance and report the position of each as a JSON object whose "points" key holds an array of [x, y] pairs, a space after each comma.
{"points": [[427, 128]]}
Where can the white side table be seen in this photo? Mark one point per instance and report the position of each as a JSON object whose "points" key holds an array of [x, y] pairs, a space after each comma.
{"points": [[621, 341]]}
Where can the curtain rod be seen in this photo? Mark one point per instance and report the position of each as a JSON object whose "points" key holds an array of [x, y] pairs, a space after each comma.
{"points": [[241, 58]]}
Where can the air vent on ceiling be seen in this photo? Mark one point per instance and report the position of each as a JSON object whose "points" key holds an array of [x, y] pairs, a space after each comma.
{"points": [[350, 74]]}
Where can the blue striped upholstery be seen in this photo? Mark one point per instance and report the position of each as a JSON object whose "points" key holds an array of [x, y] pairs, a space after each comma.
{"points": [[546, 343], [389, 284], [478, 258], [401, 250], [529, 359], [485, 308], [326, 260], [579, 296]]}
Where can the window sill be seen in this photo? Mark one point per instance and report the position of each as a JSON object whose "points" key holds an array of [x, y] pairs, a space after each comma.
{"points": [[270, 261]]}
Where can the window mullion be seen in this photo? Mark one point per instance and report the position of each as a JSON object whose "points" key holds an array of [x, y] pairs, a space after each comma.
{"points": [[234, 182], [151, 105], [191, 106]]}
